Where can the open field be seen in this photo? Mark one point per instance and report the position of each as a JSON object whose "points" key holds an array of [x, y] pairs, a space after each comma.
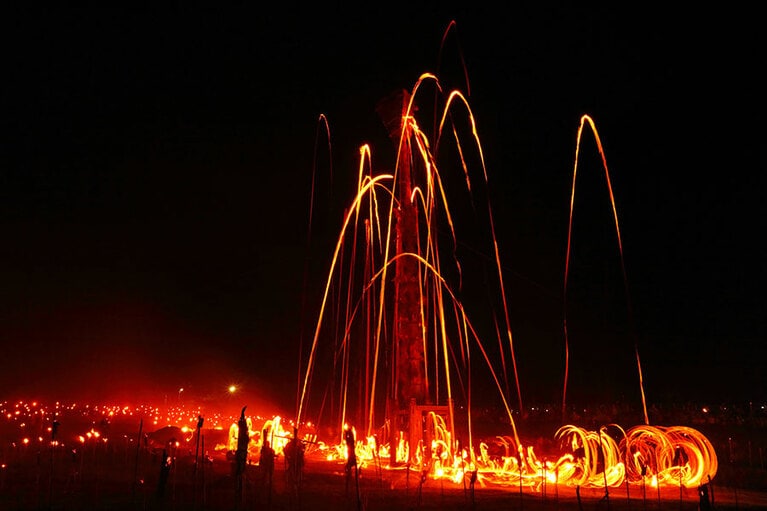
{"points": [[85, 472], [109, 485]]}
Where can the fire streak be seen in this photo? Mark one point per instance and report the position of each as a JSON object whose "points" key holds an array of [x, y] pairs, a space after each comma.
{"points": [[651, 455], [358, 295]]}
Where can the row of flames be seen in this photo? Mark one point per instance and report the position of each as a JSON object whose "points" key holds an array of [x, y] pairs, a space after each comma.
{"points": [[649, 455]]}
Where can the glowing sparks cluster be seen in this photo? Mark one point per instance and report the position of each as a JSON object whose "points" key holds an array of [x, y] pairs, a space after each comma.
{"points": [[404, 220], [650, 455], [272, 431]]}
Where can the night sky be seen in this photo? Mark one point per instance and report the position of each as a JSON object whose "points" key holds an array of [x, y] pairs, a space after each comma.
{"points": [[156, 167]]}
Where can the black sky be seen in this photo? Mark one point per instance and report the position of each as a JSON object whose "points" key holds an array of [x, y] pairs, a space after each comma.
{"points": [[156, 168]]}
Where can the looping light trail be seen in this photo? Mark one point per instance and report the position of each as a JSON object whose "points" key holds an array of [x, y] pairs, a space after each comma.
{"points": [[361, 340]]}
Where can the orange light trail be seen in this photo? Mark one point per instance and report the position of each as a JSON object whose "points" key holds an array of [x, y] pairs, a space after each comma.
{"points": [[429, 196], [609, 456], [586, 119]]}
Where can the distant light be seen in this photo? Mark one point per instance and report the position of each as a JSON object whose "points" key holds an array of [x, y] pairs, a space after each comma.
{"points": [[232, 388]]}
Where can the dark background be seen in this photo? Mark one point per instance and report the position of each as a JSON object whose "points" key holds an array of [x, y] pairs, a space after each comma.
{"points": [[157, 165]]}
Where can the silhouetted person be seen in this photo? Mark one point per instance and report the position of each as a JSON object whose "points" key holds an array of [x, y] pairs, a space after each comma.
{"points": [[294, 457], [705, 502], [241, 455], [266, 463], [351, 463], [351, 459], [351, 456], [290, 453], [267, 458], [243, 439]]}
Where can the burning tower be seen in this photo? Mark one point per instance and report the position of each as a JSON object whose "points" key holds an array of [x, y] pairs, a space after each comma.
{"points": [[408, 400]]}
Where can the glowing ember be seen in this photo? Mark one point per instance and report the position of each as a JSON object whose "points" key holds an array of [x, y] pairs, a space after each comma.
{"points": [[359, 338]]}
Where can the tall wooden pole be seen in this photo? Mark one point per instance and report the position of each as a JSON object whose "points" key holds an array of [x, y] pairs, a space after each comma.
{"points": [[408, 368]]}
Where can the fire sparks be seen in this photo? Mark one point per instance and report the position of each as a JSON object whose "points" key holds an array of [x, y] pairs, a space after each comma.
{"points": [[398, 250], [650, 455]]}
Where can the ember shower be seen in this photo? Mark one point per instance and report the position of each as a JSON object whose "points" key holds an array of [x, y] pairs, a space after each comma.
{"points": [[401, 350]]}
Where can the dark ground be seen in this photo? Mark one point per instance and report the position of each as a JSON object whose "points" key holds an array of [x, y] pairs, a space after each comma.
{"points": [[119, 475], [113, 479]]}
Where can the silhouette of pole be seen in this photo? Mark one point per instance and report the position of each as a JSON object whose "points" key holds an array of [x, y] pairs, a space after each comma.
{"points": [[408, 369], [196, 461], [204, 488], [138, 450], [644, 486], [241, 456], [606, 498], [54, 430]]}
